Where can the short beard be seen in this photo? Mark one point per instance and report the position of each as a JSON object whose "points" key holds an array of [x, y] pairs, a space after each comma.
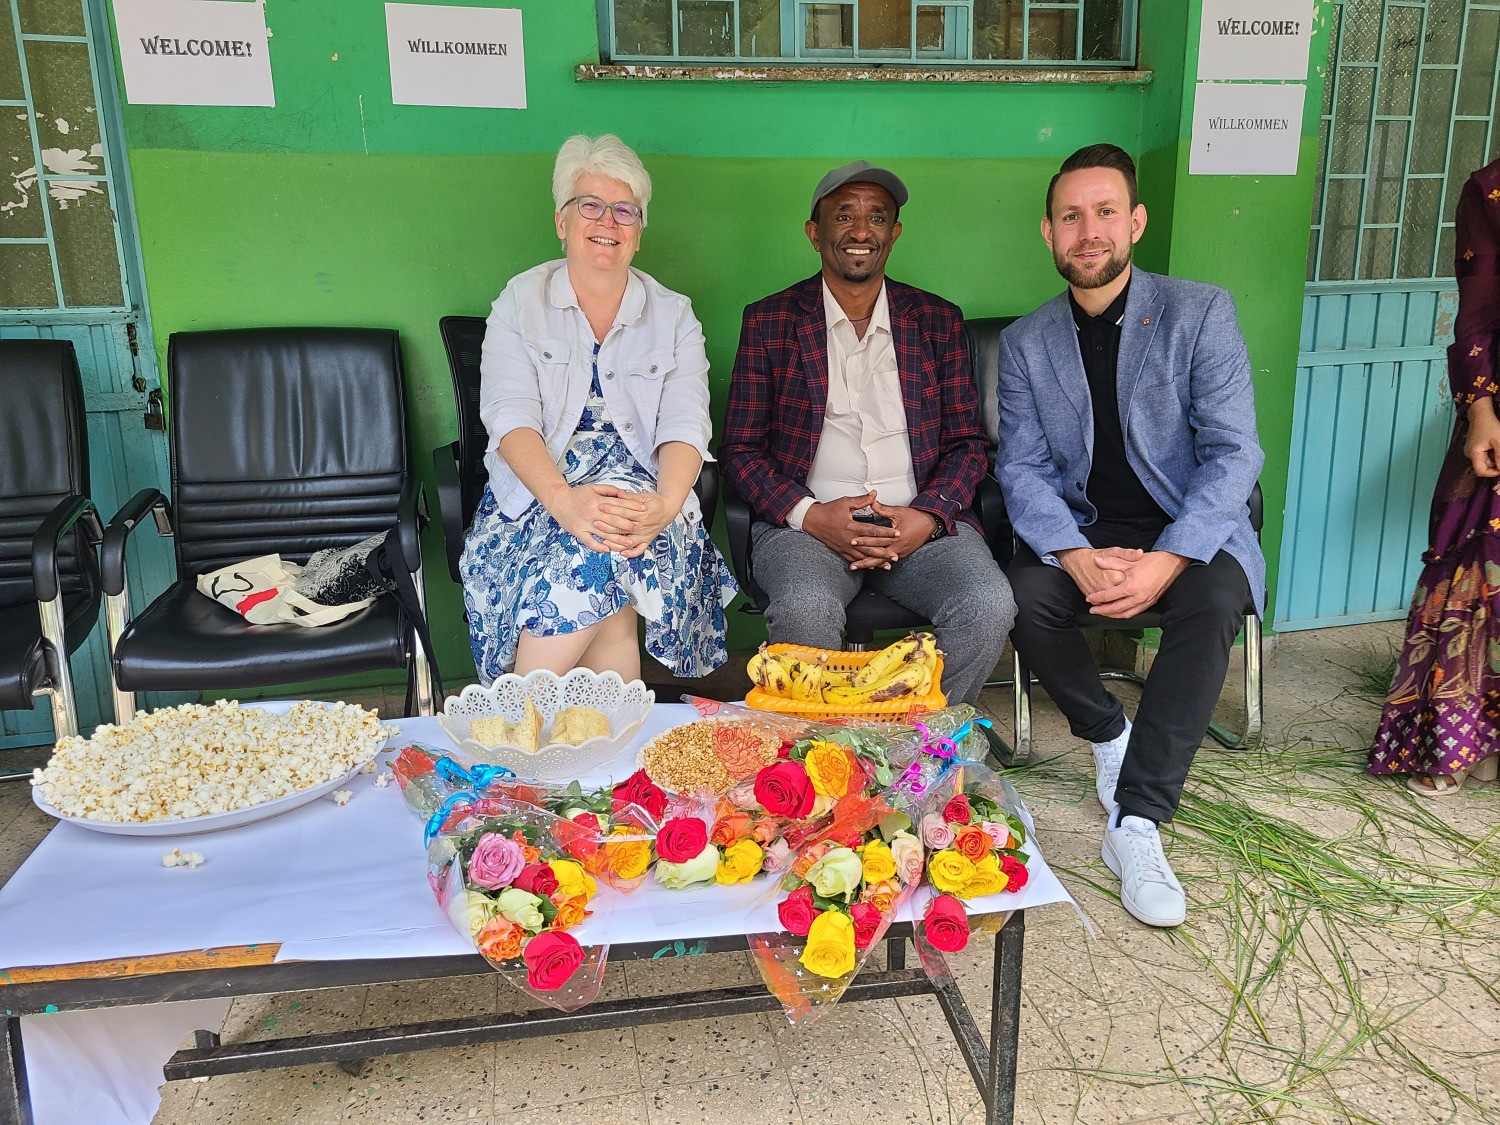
{"points": [[1113, 267]]}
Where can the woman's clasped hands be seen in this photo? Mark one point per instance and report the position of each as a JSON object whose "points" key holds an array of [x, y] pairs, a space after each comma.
{"points": [[605, 517]]}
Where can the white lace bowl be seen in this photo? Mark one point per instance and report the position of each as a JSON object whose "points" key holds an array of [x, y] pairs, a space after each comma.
{"points": [[625, 705]]}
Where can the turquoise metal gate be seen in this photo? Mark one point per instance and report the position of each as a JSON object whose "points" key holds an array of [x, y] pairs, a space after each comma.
{"points": [[69, 269], [1409, 110]]}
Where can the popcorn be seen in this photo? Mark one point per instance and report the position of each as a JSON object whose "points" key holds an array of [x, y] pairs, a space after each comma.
{"points": [[383, 779], [179, 858], [341, 796], [195, 760]]}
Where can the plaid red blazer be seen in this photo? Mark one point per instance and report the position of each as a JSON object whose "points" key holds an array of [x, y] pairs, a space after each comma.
{"points": [[779, 390]]}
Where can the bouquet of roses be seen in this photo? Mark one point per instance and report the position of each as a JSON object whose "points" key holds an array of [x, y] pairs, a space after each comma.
{"points": [[974, 843], [838, 897], [610, 830], [503, 880], [722, 844]]}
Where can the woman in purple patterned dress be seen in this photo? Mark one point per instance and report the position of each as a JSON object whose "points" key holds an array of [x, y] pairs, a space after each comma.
{"points": [[1442, 714]]}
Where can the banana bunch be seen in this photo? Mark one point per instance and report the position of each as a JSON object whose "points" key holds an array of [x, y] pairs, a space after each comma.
{"points": [[903, 669]]}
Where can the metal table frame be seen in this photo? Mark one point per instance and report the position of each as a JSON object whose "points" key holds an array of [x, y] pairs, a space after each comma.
{"points": [[992, 1064]]}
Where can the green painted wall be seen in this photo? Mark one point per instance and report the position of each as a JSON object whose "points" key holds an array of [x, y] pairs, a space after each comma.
{"points": [[337, 207]]}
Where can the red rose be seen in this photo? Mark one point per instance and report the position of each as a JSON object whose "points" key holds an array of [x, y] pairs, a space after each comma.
{"points": [[536, 879], [785, 790], [957, 811], [410, 763], [797, 911], [587, 820], [866, 918], [946, 924], [551, 958], [1015, 871], [784, 751], [579, 840], [638, 789], [681, 840]]}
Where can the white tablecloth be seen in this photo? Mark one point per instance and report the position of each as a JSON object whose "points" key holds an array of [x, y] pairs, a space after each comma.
{"points": [[327, 883]]}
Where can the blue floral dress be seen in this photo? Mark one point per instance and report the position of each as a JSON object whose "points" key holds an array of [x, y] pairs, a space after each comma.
{"points": [[529, 573]]}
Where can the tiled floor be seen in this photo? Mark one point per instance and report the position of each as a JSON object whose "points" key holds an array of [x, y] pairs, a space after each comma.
{"points": [[1347, 973]]}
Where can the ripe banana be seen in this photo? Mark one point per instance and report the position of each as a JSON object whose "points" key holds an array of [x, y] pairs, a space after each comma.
{"points": [[890, 659]]}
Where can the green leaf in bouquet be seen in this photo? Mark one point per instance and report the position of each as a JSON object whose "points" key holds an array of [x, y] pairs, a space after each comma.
{"points": [[548, 909], [1017, 827], [883, 774], [837, 903], [892, 823]]}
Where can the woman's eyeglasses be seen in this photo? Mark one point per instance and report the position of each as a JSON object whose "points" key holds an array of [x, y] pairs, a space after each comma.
{"points": [[592, 207]]}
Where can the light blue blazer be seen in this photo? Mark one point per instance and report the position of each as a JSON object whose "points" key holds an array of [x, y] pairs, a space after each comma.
{"points": [[1187, 407]]}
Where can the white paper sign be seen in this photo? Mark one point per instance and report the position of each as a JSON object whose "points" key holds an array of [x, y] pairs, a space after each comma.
{"points": [[1264, 39], [194, 52], [1246, 130], [456, 56]]}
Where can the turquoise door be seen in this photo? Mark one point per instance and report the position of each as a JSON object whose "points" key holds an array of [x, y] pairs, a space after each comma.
{"points": [[1409, 110], [69, 269]]}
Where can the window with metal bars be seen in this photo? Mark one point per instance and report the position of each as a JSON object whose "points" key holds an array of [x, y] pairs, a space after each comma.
{"points": [[1410, 108], [856, 32]]}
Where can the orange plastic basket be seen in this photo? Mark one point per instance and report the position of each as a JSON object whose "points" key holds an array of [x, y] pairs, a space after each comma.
{"points": [[840, 661]]}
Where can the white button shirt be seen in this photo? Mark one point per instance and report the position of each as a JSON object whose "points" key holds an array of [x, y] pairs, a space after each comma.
{"points": [[536, 366], [864, 444]]}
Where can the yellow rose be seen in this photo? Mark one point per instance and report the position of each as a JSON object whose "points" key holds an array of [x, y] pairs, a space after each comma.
{"points": [[629, 858], [879, 863], [830, 945], [740, 862], [950, 872], [573, 880], [828, 768], [987, 879]]}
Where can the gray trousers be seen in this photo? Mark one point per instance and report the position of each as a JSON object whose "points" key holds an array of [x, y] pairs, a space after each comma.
{"points": [[953, 582]]}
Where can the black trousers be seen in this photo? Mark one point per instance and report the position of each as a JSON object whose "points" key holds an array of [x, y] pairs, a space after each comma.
{"points": [[1201, 613]]}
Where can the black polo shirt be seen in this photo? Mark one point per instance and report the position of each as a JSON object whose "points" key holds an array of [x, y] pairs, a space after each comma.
{"points": [[1113, 486]]}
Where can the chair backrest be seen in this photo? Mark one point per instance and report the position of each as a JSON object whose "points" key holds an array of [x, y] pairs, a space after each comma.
{"points": [[984, 350], [283, 440], [463, 339], [44, 458]]}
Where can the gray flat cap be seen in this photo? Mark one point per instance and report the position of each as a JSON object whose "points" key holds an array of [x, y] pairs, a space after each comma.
{"points": [[861, 172]]}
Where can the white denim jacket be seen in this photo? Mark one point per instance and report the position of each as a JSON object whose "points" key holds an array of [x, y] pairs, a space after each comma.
{"points": [[536, 367]]}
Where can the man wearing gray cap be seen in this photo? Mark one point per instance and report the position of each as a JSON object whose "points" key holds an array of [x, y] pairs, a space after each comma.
{"points": [[853, 432]]}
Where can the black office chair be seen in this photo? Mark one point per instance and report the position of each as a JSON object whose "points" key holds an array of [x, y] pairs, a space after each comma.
{"points": [[284, 440], [459, 466], [871, 612], [1253, 685], [49, 529]]}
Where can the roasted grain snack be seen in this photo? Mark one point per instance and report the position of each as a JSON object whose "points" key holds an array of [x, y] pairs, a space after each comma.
{"points": [[686, 759]]}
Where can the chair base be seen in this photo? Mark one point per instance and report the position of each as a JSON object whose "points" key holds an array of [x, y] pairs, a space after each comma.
{"points": [[1254, 697]]}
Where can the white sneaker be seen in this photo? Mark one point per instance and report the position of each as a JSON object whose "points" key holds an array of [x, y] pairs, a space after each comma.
{"points": [[1148, 889], [1108, 758]]}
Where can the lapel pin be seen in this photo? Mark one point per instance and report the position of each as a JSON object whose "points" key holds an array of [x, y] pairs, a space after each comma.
{"points": [[1146, 320]]}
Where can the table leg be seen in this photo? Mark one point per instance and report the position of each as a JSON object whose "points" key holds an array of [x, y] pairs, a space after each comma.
{"points": [[895, 953], [15, 1102], [1005, 1021]]}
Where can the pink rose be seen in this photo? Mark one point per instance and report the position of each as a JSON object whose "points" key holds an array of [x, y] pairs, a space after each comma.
{"points": [[936, 833], [496, 862], [742, 796], [1000, 833], [778, 855]]}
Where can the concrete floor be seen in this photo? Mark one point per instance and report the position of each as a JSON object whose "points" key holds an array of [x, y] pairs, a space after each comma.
{"points": [[1373, 996]]}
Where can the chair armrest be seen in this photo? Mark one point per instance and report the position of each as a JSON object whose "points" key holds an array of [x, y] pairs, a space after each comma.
{"points": [[989, 506], [450, 503], [737, 519], [59, 521], [112, 563], [707, 488], [1257, 509], [411, 517]]}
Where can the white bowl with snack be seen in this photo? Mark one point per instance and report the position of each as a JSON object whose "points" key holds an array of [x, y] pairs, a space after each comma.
{"points": [[545, 726]]}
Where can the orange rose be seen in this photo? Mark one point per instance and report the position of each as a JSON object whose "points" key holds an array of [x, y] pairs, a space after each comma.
{"points": [[829, 767], [530, 854], [728, 829], [881, 895], [570, 910], [500, 940], [763, 831], [811, 856], [971, 842]]}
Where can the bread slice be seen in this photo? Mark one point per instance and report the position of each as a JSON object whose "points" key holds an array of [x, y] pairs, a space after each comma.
{"points": [[496, 730], [575, 725]]}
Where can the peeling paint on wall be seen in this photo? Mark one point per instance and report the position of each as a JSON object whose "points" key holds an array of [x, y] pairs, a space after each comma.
{"points": [[58, 162]]}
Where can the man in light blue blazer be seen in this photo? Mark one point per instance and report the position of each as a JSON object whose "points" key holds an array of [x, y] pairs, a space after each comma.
{"points": [[1127, 457]]}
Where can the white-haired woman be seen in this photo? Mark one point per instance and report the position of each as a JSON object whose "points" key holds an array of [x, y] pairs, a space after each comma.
{"points": [[594, 390]]}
